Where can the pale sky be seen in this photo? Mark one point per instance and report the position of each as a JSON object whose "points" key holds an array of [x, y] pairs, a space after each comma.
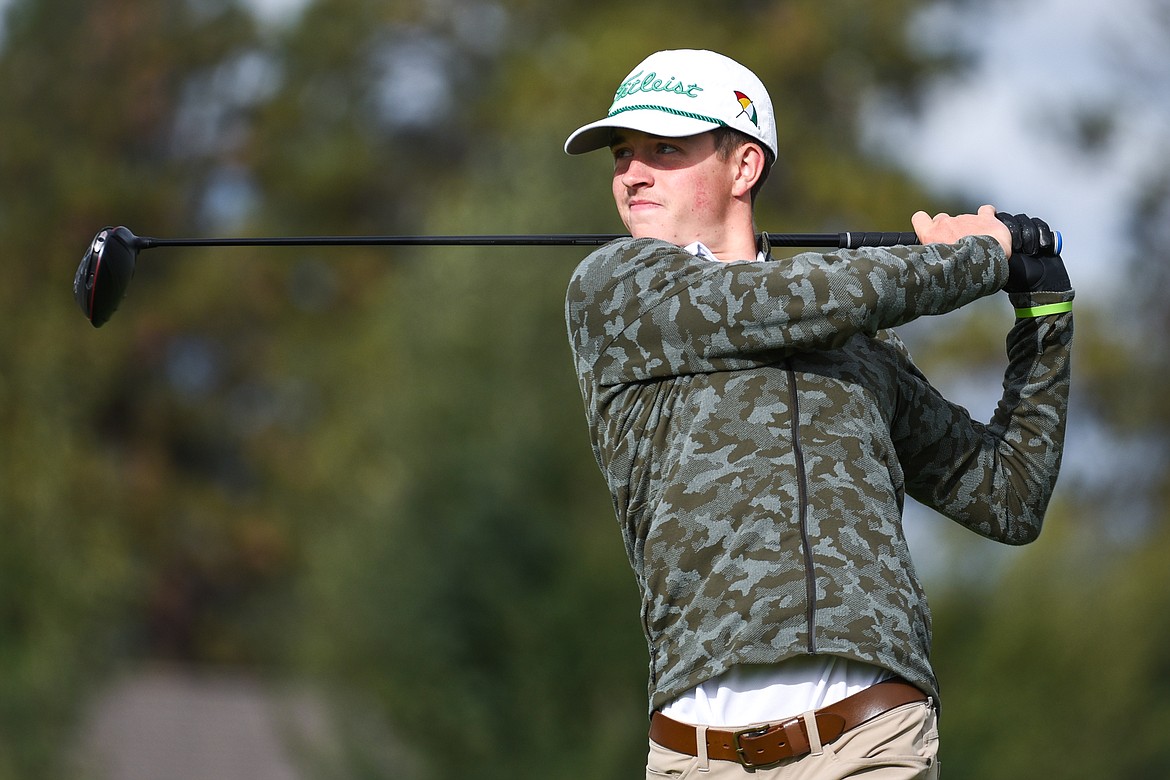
{"points": [[993, 136]]}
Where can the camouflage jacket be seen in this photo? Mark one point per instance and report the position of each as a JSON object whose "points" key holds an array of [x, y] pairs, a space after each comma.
{"points": [[758, 429]]}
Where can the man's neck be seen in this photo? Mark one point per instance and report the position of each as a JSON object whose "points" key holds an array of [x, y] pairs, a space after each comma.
{"points": [[737, 245]]}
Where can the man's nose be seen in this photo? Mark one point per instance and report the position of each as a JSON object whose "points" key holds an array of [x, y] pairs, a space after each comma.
{"points": [[636, 173]]}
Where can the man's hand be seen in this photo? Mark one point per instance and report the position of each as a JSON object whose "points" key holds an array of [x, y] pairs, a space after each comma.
{"points": [[945, 229], [1030, 236]]}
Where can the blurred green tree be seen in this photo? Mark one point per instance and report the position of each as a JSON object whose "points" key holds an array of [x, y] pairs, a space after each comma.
{"points": [[90, 92]]}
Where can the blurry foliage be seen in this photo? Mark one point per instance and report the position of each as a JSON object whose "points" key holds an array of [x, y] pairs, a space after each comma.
{"points": [[369, 467]]}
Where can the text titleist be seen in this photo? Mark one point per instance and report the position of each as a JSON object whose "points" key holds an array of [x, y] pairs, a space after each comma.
{"points": [[651, 83]]}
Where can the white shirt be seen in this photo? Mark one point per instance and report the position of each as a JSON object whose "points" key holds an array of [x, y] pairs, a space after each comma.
{"points": [[700, 250], [744, 696]]}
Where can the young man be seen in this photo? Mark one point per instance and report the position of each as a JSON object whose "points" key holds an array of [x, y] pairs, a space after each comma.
{"points": [[759, 428]]}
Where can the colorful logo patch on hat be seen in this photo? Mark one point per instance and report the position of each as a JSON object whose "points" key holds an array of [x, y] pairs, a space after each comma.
{"points": [[746, 107]]}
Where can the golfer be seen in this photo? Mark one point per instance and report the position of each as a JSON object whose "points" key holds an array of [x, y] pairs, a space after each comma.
{"points": [[759, 427]]}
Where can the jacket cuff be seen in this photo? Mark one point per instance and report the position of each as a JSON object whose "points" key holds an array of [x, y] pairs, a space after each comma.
{"points": [[1041, 304]]}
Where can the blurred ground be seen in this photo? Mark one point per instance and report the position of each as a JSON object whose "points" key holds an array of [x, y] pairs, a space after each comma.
{"points": [[192, 724]]}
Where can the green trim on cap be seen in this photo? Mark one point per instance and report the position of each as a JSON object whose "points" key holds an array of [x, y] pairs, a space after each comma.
{"points": [[675, 111], [1043, 311]]}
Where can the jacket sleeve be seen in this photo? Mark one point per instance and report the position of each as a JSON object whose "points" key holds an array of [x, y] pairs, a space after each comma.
{"points": [[995, 478], [640, 309]]}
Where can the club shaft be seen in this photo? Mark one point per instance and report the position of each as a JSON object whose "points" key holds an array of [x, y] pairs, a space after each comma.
{"points": [[848, 240], [389, 241]]}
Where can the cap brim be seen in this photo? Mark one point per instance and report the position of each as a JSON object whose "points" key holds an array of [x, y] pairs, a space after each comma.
{"points": [[597, 135]]}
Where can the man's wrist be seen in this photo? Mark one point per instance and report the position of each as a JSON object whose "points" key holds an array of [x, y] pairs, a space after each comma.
{"points": [[1041, 304], [1044, 310]]}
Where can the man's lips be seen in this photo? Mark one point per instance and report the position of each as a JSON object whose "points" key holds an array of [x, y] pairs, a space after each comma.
{"points": [[641, 203]]}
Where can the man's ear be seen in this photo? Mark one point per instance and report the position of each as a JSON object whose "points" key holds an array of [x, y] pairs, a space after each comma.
{"points": [[749, 161]]}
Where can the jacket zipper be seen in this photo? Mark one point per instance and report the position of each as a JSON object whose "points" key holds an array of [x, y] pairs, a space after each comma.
{"points": [[810, 581]]}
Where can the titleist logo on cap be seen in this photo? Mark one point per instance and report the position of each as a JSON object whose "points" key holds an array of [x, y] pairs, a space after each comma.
{"points": [[651, 83]]}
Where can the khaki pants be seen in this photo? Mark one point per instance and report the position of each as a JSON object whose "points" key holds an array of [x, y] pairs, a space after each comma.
{"points": [[901, 744]]}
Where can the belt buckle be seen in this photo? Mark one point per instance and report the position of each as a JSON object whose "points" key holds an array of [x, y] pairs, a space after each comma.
{"points": [[740, 751]]}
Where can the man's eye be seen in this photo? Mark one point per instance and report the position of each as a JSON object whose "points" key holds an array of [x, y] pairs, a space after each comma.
{"points": [[667, 149], [619, 154]]}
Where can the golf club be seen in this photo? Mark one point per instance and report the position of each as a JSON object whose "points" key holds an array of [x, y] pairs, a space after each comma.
{"points": [[108, 264]]}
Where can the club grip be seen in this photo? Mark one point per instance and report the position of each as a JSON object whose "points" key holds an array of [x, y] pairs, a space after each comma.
{"points": [[855, 240], [852, 240]]}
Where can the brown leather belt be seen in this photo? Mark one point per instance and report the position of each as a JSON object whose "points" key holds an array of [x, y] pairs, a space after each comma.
{"points": [[762, 746]]}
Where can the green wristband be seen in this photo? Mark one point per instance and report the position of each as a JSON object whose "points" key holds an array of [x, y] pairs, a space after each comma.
{"points": [[1042, 311]]}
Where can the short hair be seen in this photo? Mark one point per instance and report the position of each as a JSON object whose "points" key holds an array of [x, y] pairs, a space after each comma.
{"points": [[728, 139]]}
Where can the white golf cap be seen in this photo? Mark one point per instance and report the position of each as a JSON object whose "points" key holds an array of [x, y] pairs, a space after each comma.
{"points": [[684, 92]]}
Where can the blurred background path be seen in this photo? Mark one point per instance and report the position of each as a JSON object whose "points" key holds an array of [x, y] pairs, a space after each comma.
{"points": [[189, 724]]}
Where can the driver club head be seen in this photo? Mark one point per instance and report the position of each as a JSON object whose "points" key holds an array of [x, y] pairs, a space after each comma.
{"points": [[104, 273]]}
